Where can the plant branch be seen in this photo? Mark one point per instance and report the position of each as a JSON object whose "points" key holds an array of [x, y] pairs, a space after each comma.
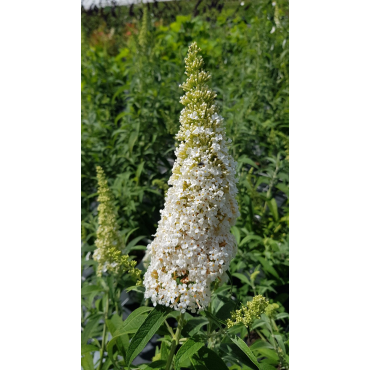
{"points": [[175, 342], [104, 333]]}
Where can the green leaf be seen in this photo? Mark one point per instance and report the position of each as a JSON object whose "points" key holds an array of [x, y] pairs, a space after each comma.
{"points": [[139, 248], [107, 364], [282, 315], [267, 267], [209, 360], [110, 346], [164, 350], [260, 344], [242, 277], [127, 236], [119, 91], [159, 364], [132, 244], [260, 322], [132, 140], [197, 365], [113, 324], [87, 348], [267, 367], [189, 348], [129, 326], [250, 237], [136, 288], [247, 160], [133, 322], [234, 354], [87, 289], [270, 354], [224, 310], [151, 324], [139, 170], [273, 209], [194, 325], [214, 319], [235, 231], [120, 334], [89, 328], [221, 289], [242, 345], [283, 188], [281, 344], [87, 362], [175, 26]]}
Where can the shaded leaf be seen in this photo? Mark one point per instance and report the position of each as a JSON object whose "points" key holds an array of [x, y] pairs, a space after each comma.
{"points": [[260, 344], [209, 360], [87, 362], [242, 277], [148, 328], [89, 328], [87, 348], [87, 289], [243, 346], [235, 353], [189, 348], [136, 288], [273, 209], [193, 326], [159, 364]]}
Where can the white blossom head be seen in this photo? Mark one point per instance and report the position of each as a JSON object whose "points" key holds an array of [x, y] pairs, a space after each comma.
{"points": [[193, 245]]}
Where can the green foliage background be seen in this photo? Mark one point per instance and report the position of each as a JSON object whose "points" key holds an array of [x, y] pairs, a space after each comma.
{"points": [[130, 113]]}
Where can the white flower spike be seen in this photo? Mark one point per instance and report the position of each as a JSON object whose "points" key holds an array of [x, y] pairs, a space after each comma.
{"points": [[193, 245]]}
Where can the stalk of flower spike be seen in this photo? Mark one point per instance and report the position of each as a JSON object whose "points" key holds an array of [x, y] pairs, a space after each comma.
{"points": [[108, 253], [193, 245]]}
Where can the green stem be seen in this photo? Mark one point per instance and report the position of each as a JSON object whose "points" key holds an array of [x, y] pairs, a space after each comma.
{"points": [[169, 329], [276, 346], [104, 333], [116, 305], [175, 342], [262, 337], [209, 327], [272, 182]]}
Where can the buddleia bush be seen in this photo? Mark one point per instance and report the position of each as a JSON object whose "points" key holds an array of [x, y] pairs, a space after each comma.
{"points": [[130, 116]]}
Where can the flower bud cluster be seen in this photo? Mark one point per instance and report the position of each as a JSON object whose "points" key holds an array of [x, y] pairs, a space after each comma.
{"points": [[247, 314], [271, 309], [108, 253], [193, 245], [143, 35]]}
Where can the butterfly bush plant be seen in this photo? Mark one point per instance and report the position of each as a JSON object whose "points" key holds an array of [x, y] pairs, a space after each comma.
{"points": [[185, 298], [193, 245]]}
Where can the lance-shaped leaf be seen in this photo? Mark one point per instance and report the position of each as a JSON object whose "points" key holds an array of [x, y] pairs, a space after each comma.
{"points": [[189, 348], [145, 332]]}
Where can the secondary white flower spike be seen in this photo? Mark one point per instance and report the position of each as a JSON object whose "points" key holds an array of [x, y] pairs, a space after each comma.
{"points": [[193, 245]]}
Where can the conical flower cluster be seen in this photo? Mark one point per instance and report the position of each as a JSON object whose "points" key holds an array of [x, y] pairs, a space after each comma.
{"points": [[143, 35], [108, 253], [247, 314], [193, 245]]}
